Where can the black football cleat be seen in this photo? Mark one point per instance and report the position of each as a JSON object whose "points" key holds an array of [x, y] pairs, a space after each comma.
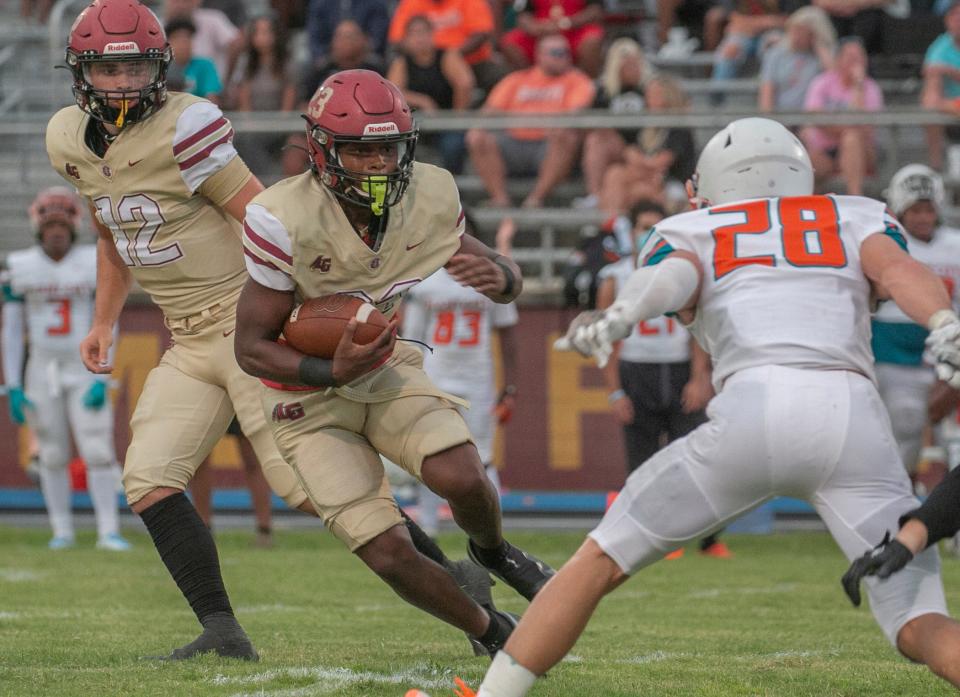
{"points": [[501, 627], [475, 582], [221, 634], [524, 573]]}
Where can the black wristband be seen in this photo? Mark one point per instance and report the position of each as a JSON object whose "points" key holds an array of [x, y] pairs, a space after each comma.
{"points": [[317, 372], [508, 275]]}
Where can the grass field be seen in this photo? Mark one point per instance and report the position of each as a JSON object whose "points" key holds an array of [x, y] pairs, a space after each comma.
{"points": [[771, 621]]}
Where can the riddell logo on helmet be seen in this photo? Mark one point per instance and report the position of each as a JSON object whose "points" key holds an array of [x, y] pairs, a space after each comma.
{"points": [[378, 129], [122, 47]]}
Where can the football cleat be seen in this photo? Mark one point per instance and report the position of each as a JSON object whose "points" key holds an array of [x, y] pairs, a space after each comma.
{"points": [[505, 622], [221, 634], [718, 549], [113, 542], [61, 543], [524, 573], [675, 554], [475, 582]]}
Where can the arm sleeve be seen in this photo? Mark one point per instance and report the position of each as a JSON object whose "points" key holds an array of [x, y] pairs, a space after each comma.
{"points": [[12, 342], [941, 511], [267, 249], [202, 143], [504, 315], [226, 183]]}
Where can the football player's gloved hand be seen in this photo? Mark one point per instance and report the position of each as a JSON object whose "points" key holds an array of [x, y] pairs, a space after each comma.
{"points": [[96, 395], [943, 346], [593, 333], [886, 558], [17, 402]]}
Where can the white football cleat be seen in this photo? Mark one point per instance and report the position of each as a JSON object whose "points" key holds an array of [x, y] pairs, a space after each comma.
{"points": [[113, 542], [57, 543]]}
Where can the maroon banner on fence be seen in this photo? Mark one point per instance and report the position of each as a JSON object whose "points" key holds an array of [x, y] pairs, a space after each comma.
{"points": [[562, 435]]}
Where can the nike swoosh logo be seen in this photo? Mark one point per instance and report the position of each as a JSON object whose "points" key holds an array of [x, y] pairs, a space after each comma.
{"points": [[414, 246], [230, 331], [134, 163]]}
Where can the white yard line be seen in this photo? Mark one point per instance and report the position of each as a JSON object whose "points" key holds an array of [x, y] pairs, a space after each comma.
{"points": [[329, 680], [19, 575]]}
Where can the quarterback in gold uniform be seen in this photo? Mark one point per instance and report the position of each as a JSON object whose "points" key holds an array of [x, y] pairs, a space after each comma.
{"points": [[370, 222], [168, 191]]}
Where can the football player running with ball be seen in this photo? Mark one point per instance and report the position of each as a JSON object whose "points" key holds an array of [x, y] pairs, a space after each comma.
{"points": [[48, 297], [168, 191], [776, 284], [370, 222]]}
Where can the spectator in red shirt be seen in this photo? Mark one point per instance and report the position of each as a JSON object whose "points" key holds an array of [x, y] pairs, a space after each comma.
{"points": [[580, 21], [552, 85]]}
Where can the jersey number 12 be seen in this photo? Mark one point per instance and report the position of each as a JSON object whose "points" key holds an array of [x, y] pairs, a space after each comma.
{"points": [[135, 245]]}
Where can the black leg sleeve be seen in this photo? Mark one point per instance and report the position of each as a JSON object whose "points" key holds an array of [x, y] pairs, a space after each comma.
{"points": [[187, 549]]}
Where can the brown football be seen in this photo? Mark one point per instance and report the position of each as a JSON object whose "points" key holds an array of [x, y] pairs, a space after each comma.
{"points": [[315, 326]]}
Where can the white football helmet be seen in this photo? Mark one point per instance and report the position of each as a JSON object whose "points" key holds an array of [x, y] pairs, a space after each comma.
{"points": [[752, 158], [914, 183]]}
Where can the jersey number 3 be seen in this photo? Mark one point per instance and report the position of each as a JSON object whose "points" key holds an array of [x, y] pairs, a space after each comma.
{"points": [[809, 234], [135, 244]]}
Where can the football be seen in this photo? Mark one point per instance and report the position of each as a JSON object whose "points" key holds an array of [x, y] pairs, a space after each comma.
{"points": [[315, 326]]}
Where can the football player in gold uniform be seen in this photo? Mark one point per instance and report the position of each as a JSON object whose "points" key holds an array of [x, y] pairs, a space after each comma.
{"points": [[168, 191], [370, 222]]}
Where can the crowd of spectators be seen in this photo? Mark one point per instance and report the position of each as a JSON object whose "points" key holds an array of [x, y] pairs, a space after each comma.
{"points": [[552, 56]]}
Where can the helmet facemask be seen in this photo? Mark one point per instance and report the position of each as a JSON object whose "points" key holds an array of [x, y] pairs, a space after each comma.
{"points": [[376, 191], [134, 105]]}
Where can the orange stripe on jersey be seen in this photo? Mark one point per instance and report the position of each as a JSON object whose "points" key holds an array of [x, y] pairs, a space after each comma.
{"points": [[205, 153], [265, 245], [210, 128], [660, 245]]}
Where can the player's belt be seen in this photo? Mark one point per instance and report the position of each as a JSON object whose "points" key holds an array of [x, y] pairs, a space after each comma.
{"points": [[194, 323]]}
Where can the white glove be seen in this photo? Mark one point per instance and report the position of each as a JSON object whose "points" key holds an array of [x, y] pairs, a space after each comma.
{"points": [[593, 333], [943, 346]]}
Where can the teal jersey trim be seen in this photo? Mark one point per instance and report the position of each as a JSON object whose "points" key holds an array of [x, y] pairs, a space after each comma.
{"points": [[893, 232], [900, 343], [659, 253], [10, 297]]}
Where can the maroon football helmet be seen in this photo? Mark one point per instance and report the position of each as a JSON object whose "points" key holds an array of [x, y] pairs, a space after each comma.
{"points": [[360, 106], [118, 31]]}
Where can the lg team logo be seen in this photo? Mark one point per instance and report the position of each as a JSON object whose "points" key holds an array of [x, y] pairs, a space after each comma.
{"points": [[285, 412]]}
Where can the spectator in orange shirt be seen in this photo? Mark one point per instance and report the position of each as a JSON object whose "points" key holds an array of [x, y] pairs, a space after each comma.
{"points": [[552, 85], [580, 21], [463, 25]]}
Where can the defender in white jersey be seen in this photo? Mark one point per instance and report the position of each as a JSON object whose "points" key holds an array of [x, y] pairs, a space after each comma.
{"points": [[458, 324], [915, 196], [49, 301], [776, 284]]}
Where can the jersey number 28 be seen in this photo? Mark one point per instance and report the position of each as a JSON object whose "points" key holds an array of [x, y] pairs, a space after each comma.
{"points": [[808, 234]]}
